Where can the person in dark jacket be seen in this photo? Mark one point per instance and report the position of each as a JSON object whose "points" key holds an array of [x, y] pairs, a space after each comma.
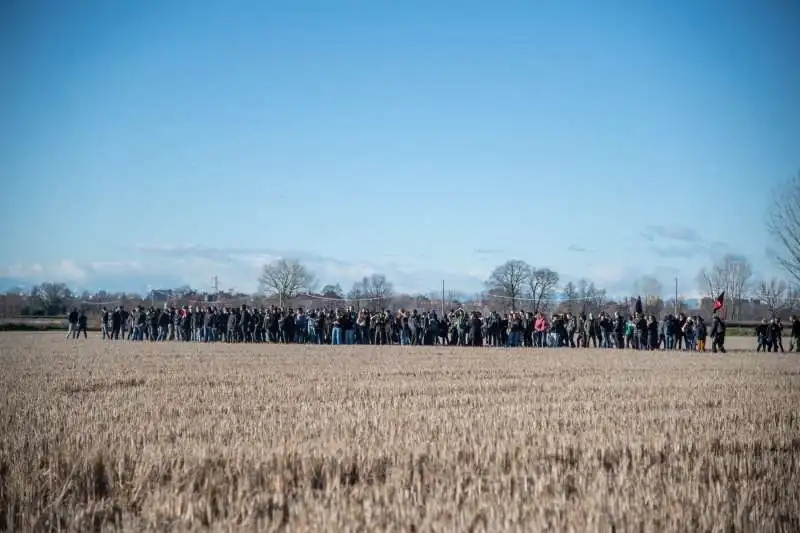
{"points": [[641, 331], [778, 334], [82, 323], [287, 327], [123, 322], [761, 336], [773, 334], [164, 321], [105, 318], [652, 333], [116, 323], [702, 334], [717, 334], [794, 346], [72, 330], [619, 331], [475, 333]]}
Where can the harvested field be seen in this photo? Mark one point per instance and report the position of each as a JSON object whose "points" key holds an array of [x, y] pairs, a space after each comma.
{"points": [[177, 436]]}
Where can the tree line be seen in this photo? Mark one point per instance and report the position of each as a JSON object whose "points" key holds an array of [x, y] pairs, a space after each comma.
{"points": [[512, 285]]}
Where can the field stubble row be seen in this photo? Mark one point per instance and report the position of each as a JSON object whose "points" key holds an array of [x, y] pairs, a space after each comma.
{"points": [[173, 436]]}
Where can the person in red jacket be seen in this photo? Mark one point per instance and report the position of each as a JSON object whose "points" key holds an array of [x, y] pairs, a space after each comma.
{"points": [[540, 330]]}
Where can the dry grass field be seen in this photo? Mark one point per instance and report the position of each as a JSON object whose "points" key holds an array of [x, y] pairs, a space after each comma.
{"points": [[141, 436]]}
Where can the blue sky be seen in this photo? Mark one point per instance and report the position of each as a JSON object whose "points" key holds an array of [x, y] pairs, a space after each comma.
{"points": [[168, 142]]}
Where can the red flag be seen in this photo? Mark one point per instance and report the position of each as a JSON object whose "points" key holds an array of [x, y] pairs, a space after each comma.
{"points": [[720, 301]]}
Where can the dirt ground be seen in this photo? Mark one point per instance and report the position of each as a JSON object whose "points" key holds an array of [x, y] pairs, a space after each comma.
{"points": [[175, 436]]}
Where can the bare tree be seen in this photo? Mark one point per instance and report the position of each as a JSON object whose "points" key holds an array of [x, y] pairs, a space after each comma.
{"points": [[784, 225], [651, 290], [510, 279], [381, 289], [542, 284], [454, 297], [285, 278], [570, 296], [792, 298], [333, 291], [375, 288], [357, 294], [772, 294], [597, 297], [52, 298], [676, 306], [592, 299], [731, 275]]}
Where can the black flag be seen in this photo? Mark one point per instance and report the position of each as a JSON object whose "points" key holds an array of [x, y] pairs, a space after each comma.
{"points": [[639, 308]]}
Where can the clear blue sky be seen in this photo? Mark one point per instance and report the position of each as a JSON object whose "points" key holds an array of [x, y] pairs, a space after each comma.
{"points": [[157, 142]]}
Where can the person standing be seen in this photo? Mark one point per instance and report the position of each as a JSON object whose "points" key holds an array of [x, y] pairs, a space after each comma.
{"points": [[701, 334], [761, 336], [475, 333], [72, 329], [794, 346], [104, 318], [717, 334], [116, 323], [82, 323], [778, 334]]}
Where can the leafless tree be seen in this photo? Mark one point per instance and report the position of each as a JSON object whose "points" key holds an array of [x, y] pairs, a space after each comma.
{"points": [[454, 297], [357, 294], [52, 298], [792, 300], [542, 284], [510, 278], [784, 225], [591, 298], [285, 278], [570, 297], [375, 288], [731, 274], [381, 290], [650, 290], [673, 306], [598, 297], [772, 294], [332, 291]]}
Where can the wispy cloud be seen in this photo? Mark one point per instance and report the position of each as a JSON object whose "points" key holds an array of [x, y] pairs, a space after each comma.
{"points": [[240, 267], [577, 249], [673, 233], [683, 252], [690, 251], [65, 270], [489, 251], [680, 242]]}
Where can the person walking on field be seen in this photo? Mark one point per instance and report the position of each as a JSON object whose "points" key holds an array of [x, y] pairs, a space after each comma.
{"points": [[701, 334], [105, 317], [82, 323], [794, 345], [72, 330], [717, 335]]}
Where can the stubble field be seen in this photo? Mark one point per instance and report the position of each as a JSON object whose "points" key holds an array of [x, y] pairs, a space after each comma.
{"points": [[260, 437]]}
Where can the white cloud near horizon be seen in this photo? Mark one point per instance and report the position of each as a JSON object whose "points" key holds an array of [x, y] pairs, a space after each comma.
{"points": [[238, 268]]}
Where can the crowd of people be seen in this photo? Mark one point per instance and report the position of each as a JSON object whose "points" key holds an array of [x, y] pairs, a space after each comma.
{"points": [[459, 327]]}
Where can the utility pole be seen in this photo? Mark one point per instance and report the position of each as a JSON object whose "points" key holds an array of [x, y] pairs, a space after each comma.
{"points": [[216, 285], [442, 297], [676, 295]]}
